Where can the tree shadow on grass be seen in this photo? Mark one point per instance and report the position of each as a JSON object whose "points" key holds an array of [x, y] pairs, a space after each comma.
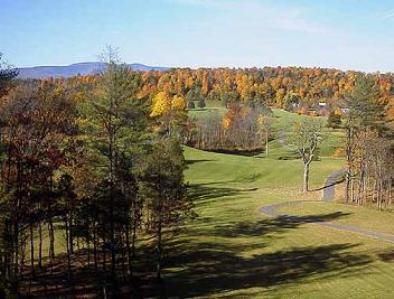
{"points": [[237, 152], [339, 181], [201, 192], [273, 225], [212, 269], [387, 256], [191, 162], [209, 268]]}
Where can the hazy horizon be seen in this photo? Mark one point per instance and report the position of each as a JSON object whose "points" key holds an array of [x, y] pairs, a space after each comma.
{"points": [[197, 67], [345, 35]]}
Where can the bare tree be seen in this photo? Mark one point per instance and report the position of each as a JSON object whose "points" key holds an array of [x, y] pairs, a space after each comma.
{"points": [[265, 128], [306, 137]]}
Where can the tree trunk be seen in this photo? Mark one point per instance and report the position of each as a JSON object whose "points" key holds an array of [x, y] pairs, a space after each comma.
{"points": [[159, 248], [348, 179], [51, 235], [112, 181], [70, 234], [306, 177], [128, 249], [94, 245], [39, 244], [266, 144], [32, 261], [104, 245], [348, 159], [67, 224], [160, 220]]}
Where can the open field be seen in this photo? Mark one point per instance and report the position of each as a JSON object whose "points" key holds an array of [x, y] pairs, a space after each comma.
{"points": [[281, 125], [211, 108], [283, 120], [232, 250]]}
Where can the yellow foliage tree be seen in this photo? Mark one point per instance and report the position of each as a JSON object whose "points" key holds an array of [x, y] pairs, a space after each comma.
{"points": [[178, 103], [161, 104]]}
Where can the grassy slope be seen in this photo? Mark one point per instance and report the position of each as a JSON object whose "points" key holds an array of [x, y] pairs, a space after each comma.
{"points": [[282, 120], [368, 218], [332, 139], [212, 107], [232, 250]]}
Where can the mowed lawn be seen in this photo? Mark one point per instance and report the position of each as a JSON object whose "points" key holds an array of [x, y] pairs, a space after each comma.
{"points": [[231, 250], [281, 126]]}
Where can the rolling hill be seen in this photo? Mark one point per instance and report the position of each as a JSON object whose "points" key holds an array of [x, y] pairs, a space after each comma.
{"points": [[84, 68]]}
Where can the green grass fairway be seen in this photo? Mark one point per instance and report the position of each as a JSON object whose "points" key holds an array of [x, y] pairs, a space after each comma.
{"points": [[211, 108], [282, 122], [233, 251], [368, 218], [281, 125]]}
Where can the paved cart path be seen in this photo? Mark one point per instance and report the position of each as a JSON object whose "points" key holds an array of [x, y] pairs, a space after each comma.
{"points": [[274, 211], [332, 180]]}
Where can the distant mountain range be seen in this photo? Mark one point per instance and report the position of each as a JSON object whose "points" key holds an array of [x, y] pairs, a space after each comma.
{"points": [[84, 68]]}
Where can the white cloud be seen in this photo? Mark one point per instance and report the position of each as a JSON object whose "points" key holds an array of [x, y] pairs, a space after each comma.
{"points": [[288, 18], [388, 16]]}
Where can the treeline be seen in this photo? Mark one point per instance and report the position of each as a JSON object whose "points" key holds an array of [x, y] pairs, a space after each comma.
{"points": [[370, 147], [240, 129], [93, 165], [291, 88]]}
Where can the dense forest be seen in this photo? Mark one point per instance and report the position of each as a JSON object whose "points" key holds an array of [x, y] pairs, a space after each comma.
{"points": [[293, 88], [99, 158], [102, 170]]}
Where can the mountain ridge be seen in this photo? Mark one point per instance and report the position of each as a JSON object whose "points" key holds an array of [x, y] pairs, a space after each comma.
{"points": [[81, 68]]}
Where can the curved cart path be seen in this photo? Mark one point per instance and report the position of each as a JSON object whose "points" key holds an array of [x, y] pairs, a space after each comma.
{"points": [[274, 211], [329, 187]]}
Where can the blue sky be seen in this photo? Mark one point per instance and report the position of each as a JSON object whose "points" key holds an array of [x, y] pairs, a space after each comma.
{"points": [[346, 34]]}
